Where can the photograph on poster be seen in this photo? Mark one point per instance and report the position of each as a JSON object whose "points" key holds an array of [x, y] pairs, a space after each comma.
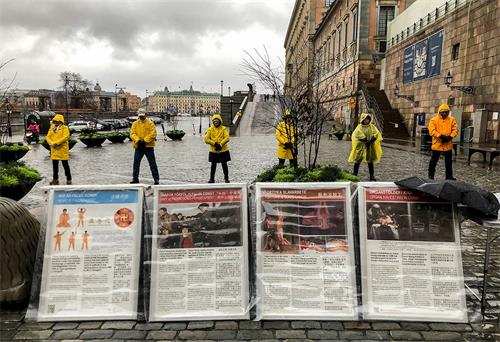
{"points": [[411, 221], [303, 227], [199, 225]]}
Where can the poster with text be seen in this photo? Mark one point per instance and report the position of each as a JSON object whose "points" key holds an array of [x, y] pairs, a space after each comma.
{"points": [[411, 262], [305, 252], [91, 255], [199, 267]]}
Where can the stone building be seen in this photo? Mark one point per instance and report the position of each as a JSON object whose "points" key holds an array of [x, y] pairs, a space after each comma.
{"points": [[186, 101], [348, 46], [457, 40]]}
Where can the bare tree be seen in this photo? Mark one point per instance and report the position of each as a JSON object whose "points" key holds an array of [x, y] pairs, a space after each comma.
{"points": [[6, 83], [80, 89], [304, 97]]}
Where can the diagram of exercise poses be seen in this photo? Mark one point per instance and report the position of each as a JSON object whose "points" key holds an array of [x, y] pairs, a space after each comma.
{"points": [[91, 254], [305, 261]]}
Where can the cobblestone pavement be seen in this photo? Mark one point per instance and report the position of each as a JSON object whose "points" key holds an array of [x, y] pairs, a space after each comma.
{"points": [[186, 161]]}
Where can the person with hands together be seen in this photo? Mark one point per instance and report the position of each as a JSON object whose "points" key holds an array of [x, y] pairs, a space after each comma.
{"points": [[58, 140], [143, 135], [217, 137], [442, 128]]}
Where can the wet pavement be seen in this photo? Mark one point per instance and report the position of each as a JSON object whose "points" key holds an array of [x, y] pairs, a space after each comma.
{"points": [[187, 162]]}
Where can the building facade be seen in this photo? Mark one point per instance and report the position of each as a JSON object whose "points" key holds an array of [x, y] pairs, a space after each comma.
{"points": [[186, 101], [446, 53]]}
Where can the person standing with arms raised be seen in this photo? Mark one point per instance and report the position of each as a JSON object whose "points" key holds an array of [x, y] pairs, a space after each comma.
{"points": [[143, 135]]}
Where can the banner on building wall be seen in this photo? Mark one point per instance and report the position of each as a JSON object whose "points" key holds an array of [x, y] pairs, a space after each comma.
{"points": [[91, 255], [411, 261], [199, 266], [305, 252], [423, 59]]}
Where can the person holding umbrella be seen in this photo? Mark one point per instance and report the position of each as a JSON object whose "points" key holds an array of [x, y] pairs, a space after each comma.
{"points": [[366, 145], [442, 128]]}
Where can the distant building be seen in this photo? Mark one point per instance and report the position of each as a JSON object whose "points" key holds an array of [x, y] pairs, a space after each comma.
{"points": [[185, 101]]}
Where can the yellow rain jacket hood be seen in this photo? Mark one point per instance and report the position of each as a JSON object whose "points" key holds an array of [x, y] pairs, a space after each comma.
{"points": [[218, 135], [439, 126], [143, 130], [58, 137], [365, 133], [285, 133]]}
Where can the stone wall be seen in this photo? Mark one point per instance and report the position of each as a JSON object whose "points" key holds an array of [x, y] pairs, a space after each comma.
{"points": [[477, 65]]}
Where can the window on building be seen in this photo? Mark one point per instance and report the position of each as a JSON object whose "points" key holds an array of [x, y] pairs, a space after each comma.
{"points": [[346, 30], [355, 24], [455, 50], [382, 46], [328, 2], [339, 30], [333, 45], [385, 15]]}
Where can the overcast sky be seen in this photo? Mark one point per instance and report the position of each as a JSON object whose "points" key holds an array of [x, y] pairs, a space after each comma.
{"points": [[139, 44]]}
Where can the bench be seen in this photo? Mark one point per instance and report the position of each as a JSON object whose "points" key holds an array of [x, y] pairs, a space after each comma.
{"points": [[492, 151]]}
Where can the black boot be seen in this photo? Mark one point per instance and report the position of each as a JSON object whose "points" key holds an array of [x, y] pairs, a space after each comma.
{"points": [[226, 172], [213, 167], [371, 169], [356, 169]]}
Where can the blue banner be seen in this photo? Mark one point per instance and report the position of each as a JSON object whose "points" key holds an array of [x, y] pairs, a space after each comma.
{"points": [[420, 60], [95, 197], [408, 65], [435, 50]]}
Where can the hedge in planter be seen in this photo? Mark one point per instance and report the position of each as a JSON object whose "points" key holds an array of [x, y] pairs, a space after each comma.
{"points": [[93, 140], [10, 152], [326, 173], [72, 143], [117, 137], [175, 134], [17, 179]]}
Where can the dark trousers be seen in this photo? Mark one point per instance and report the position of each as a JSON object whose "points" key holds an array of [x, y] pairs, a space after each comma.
{"points": [[213, 168], [150, 155], [447, 163], [55, 169], [371, 169], [281, 162]]}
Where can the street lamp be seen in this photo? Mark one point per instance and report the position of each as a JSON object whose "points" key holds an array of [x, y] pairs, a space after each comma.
{"points": [[231, 108], [469, 90], [221, 88], [8, 110], [201, 112]]}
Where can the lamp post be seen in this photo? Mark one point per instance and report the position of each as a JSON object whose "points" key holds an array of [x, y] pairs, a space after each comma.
{"points": [[221, 88], [201, 112], [8, 111], [410, 98], [469, 90], [231, 109]]}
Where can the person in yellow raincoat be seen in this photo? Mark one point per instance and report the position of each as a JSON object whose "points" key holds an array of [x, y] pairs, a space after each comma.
{"points": [[143, 135], [442, 128], [217, 137], [57, 138], [285, 134], [366, 146]]}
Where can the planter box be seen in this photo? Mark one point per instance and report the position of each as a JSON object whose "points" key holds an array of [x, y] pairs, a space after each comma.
{"points": [[17, 191], [117, 139], [176, 135], [72, 143], [93, 142], [10, 156], [339, 136]]}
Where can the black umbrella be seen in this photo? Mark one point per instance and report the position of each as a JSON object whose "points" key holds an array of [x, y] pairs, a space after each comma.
{"points": [[456, 191]]}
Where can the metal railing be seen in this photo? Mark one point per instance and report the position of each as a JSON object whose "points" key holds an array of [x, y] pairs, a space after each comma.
{"points": [[430, 18], [372, 106]]}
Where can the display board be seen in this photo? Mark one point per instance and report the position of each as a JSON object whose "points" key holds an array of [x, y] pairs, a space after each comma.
{"points": [[411, 263], [305, 252], [91, 254], [199, 267], [422, 59]]}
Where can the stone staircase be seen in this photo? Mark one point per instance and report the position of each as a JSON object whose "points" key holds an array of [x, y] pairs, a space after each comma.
{"points": [[394, 126]]}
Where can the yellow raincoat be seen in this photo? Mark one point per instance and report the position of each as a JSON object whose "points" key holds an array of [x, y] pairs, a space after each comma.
{"points": [[217, 135], [58, 139], [145, 130], [439, 126], [285, 133], [361, 153]]}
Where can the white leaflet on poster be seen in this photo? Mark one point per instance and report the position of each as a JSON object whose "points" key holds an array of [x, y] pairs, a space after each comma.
{"points": [[199, 267], [91, 254], [411, 262], [305, 273]]}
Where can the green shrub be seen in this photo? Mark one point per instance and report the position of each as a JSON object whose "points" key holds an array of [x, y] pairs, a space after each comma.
{"points": [[118, 134], [348, 177], [285, 174], [13, 147], [326, 173], [88, 131], [92, 136], [268, 175], [14, 173], [175, 131]]}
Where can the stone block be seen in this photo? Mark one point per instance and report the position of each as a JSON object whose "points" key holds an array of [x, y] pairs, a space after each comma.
{"points": [[148, 326], [33, 335], [322, 334], [174, 326], [161, 335], [287, 334], [377, 335], [66, 334], [200, 325], [250, 325], [306, 325], [36, 326], [118, 325], [221, 335], [254, 334], [192, 335], [414, 326], [98, 334], [405, 335], [386, 326], [450, 327], [352, 334], [64, 326], [276, 325], [441, 336], [226, 325], [332, 325], [356, 325], [89, 325]]}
